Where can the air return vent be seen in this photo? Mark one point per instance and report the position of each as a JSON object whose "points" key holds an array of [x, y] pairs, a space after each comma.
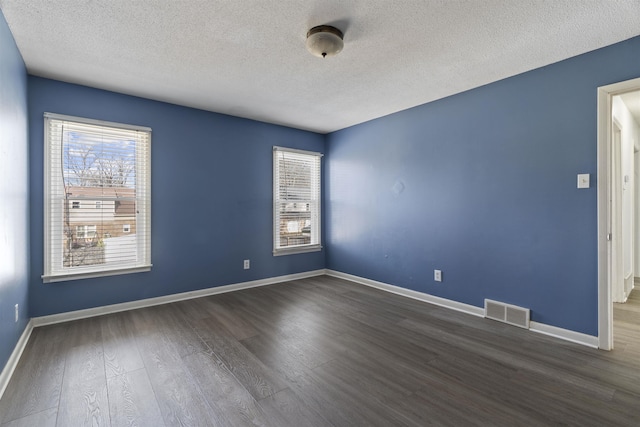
{"points": [[506, 313]]}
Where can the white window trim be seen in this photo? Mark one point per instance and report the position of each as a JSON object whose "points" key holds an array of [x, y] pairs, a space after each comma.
{"points": [[143, 184], [297, 249]]}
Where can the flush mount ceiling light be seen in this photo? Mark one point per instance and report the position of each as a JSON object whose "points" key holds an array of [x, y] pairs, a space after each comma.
{"points": [[324, 40]]}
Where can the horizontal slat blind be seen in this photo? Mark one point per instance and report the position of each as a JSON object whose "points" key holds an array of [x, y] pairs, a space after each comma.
{"points": [[296, 200], [97, 197]]}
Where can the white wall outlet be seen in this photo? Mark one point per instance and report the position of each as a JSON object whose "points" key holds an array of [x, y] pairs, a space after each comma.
{"points": [[17, 312], [247, 264], [437, 275]]}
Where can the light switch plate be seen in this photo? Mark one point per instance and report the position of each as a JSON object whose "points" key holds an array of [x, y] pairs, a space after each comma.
{"points": [[583, 180]]}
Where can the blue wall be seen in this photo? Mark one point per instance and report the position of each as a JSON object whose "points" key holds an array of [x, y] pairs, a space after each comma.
{"points": [[14, 197], [211, 207], [481, 185]]}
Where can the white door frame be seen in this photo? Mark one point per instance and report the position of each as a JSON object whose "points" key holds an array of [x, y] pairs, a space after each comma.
{"points": [[605, 132], [616, 272]]}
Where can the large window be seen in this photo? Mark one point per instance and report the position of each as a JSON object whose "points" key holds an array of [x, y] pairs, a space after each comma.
{"points": [[296, 201], [97, 185]]}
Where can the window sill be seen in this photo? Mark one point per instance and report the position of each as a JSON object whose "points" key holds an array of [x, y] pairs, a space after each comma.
{"points": [[297, 250], [63, 277]]}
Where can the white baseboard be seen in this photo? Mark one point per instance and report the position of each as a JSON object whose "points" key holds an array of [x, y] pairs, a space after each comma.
{"points": [[7, 372], [431, 299], [565, 334], [541, 328], [132, 305]]}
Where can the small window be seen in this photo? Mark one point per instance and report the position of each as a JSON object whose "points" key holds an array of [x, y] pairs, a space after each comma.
{"points": [[296, 201], [99, 164], [86, 231]]}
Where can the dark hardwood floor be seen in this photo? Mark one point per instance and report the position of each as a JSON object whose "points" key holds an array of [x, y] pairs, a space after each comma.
{"points": [[319, 352]]}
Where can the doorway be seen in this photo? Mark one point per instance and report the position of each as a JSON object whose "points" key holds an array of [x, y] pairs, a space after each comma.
{"points": [[618, 140], [617, 228]]}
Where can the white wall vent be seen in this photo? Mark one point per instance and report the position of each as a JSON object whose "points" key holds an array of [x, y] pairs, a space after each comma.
{"points": [[507, 313]]}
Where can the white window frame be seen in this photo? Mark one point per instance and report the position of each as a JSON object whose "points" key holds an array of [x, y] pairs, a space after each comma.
{"points": [[314, 202], [54, 270]]}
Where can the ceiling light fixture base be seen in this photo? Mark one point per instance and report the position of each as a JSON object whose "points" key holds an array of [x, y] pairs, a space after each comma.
{"points": [[324, 41]]}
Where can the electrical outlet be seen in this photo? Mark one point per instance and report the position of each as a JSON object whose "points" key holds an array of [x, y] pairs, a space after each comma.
{"points": [[247, 264], [437, 275], [17, 312]]}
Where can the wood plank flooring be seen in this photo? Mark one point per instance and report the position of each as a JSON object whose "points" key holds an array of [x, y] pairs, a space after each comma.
{"points": [[319, 352]]}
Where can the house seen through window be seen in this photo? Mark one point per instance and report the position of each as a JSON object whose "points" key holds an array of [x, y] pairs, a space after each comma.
{"points": [[296, 201], [97, 198]]}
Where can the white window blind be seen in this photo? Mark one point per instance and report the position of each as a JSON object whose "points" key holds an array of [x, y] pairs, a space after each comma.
{"points": [[97, 180], [296, 201]]}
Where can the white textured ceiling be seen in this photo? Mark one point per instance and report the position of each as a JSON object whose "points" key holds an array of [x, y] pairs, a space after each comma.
{"points": [[247, 57]]}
